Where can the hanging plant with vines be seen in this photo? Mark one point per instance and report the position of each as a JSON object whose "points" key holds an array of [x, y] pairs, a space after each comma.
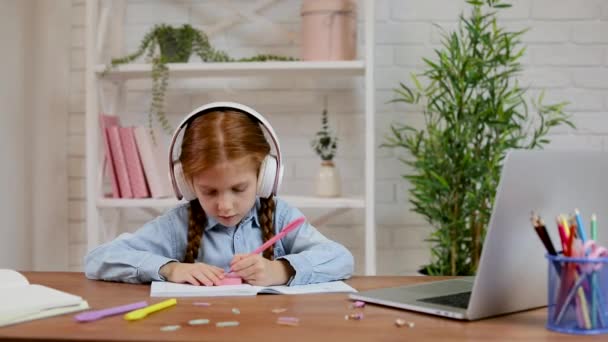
{"points": [[166, 44]]}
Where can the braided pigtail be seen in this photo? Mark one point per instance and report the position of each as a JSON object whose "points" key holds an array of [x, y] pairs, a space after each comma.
{"points": [[266, 215], [197, 220]]}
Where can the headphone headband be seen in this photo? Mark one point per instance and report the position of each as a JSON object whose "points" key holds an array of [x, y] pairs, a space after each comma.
{"points": [[225, 105]]}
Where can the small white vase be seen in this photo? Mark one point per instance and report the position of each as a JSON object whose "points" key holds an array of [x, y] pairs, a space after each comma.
{"points": [[328, 180]]}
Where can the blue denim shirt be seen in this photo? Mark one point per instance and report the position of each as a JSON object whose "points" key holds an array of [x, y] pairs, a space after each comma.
{"points": [[137, 257]]}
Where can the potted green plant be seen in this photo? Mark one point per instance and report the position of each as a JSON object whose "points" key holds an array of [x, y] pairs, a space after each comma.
{"points": [[474, 112], [166, 44], [325, 144]]}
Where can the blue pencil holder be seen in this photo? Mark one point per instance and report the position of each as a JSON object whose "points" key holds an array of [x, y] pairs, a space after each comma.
{"points": [[578, 288]]}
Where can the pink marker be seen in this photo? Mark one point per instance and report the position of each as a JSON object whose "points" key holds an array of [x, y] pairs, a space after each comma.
{"points": [[291, 226], [288, 229]]}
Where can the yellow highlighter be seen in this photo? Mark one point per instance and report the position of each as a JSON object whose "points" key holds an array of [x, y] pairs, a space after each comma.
{"points": [[142, 313]]}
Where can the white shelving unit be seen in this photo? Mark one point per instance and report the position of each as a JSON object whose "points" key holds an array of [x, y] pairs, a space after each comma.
{"points": [[194, 70], [96, 32]]}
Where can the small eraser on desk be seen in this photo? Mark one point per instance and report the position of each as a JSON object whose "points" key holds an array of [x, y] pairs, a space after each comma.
{"points": [[231, 281]]}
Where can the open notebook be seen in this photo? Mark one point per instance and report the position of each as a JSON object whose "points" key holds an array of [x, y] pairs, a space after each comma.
{"points": [[168, 289], [21, 301]]}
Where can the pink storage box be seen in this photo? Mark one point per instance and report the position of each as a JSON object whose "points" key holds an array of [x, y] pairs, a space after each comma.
{"points": [[329, 30]]}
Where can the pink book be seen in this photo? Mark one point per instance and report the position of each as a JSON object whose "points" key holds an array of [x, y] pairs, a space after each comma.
{"points": [[120, 163], [133, 161], [107, 121], [154, 159]]}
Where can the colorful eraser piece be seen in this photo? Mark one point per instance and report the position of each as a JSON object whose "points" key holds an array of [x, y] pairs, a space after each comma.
{"points": [[231, 281]]}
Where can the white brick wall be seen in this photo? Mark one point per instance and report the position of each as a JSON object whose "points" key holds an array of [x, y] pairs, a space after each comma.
{"points": [[567, 56], [566, 9]]}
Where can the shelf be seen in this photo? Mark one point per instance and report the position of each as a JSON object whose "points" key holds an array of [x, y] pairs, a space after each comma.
{"points": [[110, 95], [296, 201], [322, 202], [137, 202], [238, 69]]}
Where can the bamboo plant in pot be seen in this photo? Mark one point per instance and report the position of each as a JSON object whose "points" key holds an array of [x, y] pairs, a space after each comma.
{"points": [[474, 112]]}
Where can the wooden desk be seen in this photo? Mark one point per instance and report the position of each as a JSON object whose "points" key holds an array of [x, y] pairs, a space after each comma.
{"points": [[321, 318]]}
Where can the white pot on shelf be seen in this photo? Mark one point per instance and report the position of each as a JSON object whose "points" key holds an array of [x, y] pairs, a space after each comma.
{"points": [[328, 180]]}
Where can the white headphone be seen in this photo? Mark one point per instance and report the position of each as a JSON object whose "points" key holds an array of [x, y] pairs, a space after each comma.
{"points": [[271, 170]]}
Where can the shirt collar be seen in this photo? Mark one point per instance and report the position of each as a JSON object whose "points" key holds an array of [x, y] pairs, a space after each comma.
{"points": [[252, 215]]}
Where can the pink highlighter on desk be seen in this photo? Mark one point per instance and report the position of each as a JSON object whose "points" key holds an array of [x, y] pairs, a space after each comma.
{"points": [[233, 279]]}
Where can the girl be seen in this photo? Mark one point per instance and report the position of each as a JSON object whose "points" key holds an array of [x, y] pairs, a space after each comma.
{"points": [[223, 162]]}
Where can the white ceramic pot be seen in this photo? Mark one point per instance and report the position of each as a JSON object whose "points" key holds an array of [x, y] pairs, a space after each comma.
{"points": [[328, 180]]}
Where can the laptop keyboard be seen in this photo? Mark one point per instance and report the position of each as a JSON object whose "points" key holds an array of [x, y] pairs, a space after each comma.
{"points": [[458, 300]]}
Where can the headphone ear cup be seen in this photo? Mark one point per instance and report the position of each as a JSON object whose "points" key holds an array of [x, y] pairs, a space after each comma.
{"points": [[281, 169], [182, 184], [268, 172]]}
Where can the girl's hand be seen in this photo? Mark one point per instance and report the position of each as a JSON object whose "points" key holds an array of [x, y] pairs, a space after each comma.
{"points": [[195, 274], [257, 270]]}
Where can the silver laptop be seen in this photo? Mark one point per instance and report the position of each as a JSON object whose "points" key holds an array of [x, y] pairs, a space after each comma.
{"points": [[512, 273]]}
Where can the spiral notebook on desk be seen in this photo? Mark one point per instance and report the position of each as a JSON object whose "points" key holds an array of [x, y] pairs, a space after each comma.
{"points": [[168, 289]]}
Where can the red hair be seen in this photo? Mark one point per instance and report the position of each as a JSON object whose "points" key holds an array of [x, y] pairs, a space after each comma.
{"points": [[213, 138]]}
